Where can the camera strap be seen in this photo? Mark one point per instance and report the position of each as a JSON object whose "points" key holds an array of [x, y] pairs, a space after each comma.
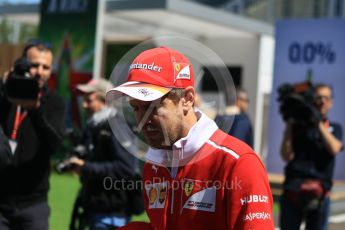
{"points": [[18, 121]]}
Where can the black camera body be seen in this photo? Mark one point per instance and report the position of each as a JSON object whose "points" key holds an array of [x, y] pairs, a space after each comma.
{"points": [[19, 84], [297, 104], [65, 165]]}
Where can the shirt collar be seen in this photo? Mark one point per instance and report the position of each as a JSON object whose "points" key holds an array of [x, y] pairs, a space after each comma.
{"points": [[186, 146]]}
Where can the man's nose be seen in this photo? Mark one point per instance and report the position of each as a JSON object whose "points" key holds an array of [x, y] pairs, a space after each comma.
{"points": [[40, 70], [34, 71]]}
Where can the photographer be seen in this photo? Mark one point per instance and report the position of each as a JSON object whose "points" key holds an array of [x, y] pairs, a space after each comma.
{"points": [[104, 208], [309, 151], [34, 127]]}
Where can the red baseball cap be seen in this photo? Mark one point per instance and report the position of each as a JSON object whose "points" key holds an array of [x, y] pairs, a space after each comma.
{"points": [[153, 73]]}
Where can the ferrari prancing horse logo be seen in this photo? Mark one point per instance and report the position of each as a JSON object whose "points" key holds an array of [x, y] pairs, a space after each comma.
{"points": [[188, 188], [177, 67]]}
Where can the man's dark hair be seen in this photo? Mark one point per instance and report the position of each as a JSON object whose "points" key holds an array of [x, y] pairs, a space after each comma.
{"points": [[175, 95], [39, 44]]}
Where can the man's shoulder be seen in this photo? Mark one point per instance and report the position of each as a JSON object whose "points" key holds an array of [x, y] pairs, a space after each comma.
{"points": [[242, 118], [54, 98], [229, 144], [336, 129], [51, 94], [335, 125]]}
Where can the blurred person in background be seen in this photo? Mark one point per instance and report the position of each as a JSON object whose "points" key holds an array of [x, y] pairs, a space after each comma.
{"points": [[104, 208], [310, 156], [35, 130], [241, 127]]}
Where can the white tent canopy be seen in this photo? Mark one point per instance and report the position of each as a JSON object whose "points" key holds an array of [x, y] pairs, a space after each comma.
{"points": [[239, 41]]}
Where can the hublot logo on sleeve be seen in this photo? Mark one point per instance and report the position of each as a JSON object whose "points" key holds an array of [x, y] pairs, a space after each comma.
{"points": [[254, 199]]}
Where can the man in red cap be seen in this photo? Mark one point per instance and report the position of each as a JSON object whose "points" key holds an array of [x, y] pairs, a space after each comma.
{"points": [[196, 176]]}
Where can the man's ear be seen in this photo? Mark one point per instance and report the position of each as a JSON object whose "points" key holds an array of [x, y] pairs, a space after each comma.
{"points": [[188, 99]]}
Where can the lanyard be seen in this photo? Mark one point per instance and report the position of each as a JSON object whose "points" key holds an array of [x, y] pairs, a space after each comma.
{"points": [[17, 122]]}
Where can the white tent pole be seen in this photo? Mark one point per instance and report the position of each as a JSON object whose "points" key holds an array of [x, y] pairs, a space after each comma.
{"points": [[99, 40]]}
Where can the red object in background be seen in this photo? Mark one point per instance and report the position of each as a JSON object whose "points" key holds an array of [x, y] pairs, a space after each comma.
{"points": [[75, 79]]}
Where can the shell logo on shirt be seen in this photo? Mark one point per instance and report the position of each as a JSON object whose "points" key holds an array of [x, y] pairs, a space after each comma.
{"points": [[157, 194], [152, 195]]}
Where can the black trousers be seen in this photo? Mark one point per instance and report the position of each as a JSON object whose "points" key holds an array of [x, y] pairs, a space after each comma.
{"points": [[34, 217], [292, 216]]}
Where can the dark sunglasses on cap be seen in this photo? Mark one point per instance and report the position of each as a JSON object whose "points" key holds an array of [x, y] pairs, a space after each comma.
{"points": [[34, 42]]}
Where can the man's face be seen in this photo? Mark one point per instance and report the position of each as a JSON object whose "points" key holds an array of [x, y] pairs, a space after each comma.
{"points": [[160, 121], [242, 102], [41, 64], [92, 103], [323, 100]]}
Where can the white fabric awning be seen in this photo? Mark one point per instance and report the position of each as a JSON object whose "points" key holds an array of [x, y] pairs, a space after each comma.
{"points": [[140, 19]]}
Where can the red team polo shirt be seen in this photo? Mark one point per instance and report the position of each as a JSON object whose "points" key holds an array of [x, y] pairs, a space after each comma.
{"points": [[216, 182]]}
